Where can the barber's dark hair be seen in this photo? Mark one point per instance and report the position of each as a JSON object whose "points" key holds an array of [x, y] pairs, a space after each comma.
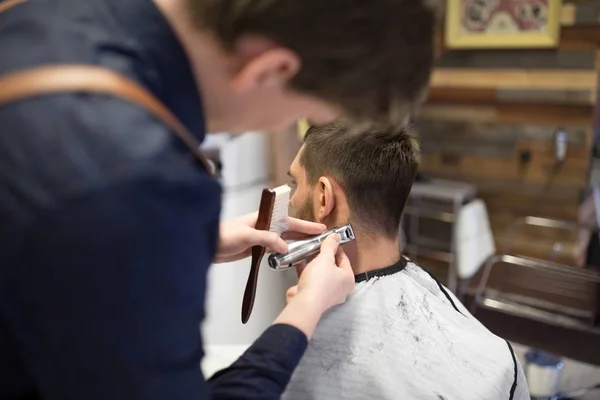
{"points": [[373, 58], [375, 167]]}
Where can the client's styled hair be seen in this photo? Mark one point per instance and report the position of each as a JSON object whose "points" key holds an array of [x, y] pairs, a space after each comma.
{"points": [[375, 167]]}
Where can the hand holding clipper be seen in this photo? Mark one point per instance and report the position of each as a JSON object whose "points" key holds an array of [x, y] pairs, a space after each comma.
{"points": [[302, 250], [323, 283]]}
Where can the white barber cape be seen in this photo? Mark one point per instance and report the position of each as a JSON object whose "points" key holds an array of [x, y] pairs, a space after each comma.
{"points": [[401, 335]]}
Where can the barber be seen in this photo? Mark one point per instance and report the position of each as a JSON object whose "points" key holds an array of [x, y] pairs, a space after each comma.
{"points": [[108, 226]]}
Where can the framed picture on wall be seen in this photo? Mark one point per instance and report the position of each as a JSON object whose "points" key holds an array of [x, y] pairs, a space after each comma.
{"points": [[496, 24]]}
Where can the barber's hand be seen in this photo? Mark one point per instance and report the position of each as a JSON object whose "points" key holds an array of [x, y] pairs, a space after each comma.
{"points": [[327, 280], [236, 237]]}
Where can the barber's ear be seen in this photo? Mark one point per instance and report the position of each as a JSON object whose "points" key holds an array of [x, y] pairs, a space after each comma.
{"points": [[326, 198], [274, 67]]}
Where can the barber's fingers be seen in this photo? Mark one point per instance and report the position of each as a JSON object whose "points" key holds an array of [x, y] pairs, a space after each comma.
{"points": [[291, 235], [268, 239], [330, 246], [304, 227], [249, 219], [342, 260]]}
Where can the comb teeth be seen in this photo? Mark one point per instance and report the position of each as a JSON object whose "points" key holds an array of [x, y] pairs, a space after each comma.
{"points": [[280, 209]]}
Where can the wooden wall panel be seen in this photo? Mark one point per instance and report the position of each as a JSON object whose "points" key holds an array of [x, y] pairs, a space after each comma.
{"points": [[510, 112], [580, 13], [500, 59], [490, 120], [514, 78], [500, 96], [513, 168]]}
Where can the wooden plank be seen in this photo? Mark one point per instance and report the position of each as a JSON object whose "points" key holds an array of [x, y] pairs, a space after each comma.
{"points": [[518, 59], [540, 191], [509, 236], [580, 13], [536, 247], [463, 96], [482, 96], [580, 37], [553, 197], [564, 290], [580, 116], [596, 112], [508, 155], [561, 97], [503, 150], [568, 14], [517, 204], [587, 13], [563, 115], [430, 116], [578, 156], [500, 175], [476, 132], [438, 44], [461, 147], [514, 79], [506, 149], [509, 172]]}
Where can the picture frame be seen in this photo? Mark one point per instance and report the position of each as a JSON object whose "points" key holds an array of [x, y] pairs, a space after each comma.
{"points": [[502, 24]]}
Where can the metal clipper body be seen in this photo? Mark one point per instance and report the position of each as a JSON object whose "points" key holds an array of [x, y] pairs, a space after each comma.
{"points": [[302, 250]]}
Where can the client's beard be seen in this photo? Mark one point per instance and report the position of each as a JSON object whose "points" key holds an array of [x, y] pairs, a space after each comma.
{"points": [[305, 211]]}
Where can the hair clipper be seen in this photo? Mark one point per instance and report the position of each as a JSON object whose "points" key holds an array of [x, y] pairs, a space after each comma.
{"points": [[303, 250]]}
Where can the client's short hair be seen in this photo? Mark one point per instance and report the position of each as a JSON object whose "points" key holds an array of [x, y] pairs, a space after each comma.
{"points": [[375, 167]]}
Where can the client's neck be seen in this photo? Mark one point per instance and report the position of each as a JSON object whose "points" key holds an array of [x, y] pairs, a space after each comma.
{"points": [[371, 251]]}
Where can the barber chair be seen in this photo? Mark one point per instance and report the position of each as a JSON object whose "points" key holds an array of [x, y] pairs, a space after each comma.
{"points": [[429, 220], [539, 303]]}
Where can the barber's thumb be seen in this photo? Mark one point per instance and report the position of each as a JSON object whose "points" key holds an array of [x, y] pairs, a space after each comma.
{"points": [[331, 244], [291, 292]]}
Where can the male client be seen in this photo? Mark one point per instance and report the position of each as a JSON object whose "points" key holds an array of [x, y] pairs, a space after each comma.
{"points": [[400, 334]]}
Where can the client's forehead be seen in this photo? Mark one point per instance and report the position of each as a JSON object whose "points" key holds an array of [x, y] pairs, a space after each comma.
{"points": [[297, 167]]}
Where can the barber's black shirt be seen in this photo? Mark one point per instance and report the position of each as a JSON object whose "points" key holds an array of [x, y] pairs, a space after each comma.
{"points": [[107, 224]]}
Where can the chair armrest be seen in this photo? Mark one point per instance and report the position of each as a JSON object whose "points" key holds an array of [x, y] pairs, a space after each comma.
{"points": [[532, 263]]}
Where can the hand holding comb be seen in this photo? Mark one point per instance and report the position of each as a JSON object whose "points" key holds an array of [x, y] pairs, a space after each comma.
{"points": [[272, 216]]}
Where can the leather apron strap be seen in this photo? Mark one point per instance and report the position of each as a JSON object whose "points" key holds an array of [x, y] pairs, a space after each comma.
{"points": [[9, 4], [55, 79]]}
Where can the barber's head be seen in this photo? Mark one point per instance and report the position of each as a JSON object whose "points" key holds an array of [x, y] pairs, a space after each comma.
{"points": [[361, 175], [320, 59]]}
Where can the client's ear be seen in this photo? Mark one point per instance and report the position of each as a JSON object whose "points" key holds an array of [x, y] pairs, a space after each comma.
{"points": [[326, 198]]}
